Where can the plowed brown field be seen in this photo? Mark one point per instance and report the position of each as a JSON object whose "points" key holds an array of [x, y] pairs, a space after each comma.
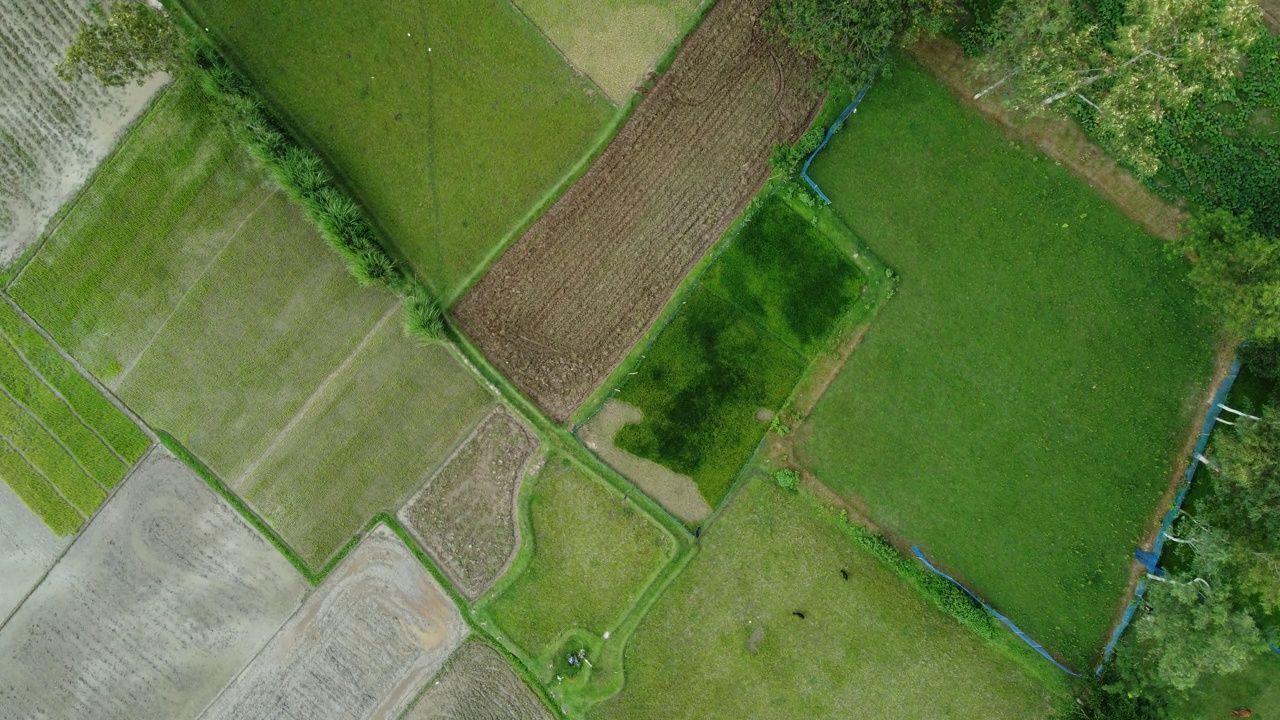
{"points": [[561, 308]]}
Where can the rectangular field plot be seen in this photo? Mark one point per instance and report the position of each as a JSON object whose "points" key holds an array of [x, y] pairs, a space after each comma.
{"points": [[614, 41], [360, 647], [477, 684], [561, 308], [594, 552], [1019, 407], [723, 641], [366, 440], [27, 550], [735, 350], [153, 609], [449, 118]]}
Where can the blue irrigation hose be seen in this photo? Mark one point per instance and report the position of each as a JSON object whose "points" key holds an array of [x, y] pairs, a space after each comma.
{"points": [[853, 108]]}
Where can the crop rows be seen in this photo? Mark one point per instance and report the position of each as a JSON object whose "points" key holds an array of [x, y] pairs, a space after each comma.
{"points": [[559, 310]]}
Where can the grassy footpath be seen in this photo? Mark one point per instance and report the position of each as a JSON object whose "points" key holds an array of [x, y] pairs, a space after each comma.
{"points": [[449, 119], [724, 642], [1018, 408]]}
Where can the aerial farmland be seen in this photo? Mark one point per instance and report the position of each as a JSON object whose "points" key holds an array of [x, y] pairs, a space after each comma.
{"points": [[629, 359]]}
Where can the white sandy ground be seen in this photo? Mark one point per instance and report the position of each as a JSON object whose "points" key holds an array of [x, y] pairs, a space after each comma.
{"points": [[361, 646], [159, 602], [28, 548], [52, 134]]}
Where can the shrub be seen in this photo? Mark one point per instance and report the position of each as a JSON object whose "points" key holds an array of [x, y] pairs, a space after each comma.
{"points": [[787, 479], [786, 158], [778, 426], [422, 316]]}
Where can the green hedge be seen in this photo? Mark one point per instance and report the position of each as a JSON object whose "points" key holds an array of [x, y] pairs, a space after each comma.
{"points": [[302, 174]]}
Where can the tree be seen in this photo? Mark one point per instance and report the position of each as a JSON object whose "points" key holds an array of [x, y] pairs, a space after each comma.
{"points": [[133, 43], [1237, 273], [1046, 51], [848, 37], [1246, 487]]}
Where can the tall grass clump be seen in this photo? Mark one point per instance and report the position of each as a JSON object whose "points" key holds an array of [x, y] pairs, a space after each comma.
{"points": [[303, 176]]}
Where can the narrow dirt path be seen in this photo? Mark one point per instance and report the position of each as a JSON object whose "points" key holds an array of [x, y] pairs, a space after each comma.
{"points": [[1060, 139]]}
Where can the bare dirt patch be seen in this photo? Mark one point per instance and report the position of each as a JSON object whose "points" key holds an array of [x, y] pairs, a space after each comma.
{"points": [[478, 684], [1060, 139], [162, 599], [673, 491], [28, 548], [52, 134], [465, 516], [1271, 14], [360, 647], [558, 311]]}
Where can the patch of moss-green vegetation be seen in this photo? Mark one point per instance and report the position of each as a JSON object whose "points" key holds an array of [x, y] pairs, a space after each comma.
{"points": [[36, 492], [31, 440], [1020, 406], [744, 337], [594, 553], [727, 639], [449, 119]]}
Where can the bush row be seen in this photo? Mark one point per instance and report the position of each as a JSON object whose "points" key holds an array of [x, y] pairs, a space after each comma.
{"points": [[302, 174]]}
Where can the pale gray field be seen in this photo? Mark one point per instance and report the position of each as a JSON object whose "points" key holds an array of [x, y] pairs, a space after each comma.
{"points": [[477, 684], [52, 134], [28, 548], [160, 601], [360, 647]]}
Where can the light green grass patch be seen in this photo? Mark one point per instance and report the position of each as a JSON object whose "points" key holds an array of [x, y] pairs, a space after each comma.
{"points": [[368, 440], [1018, 408], [140, 235], [27, 389], [594, 552], [448, 118], [36, 492], [47, 457], [867, 647], [614, 41], [112, 425]]}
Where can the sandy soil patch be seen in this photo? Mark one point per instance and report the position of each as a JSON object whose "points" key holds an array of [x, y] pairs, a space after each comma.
{"points": [[559, 310], [673, 491], [52, 134], [160, 601], [1060, 139], [465, 516], [478, 684], [360, 647], [1271, 14], [28, 548]]}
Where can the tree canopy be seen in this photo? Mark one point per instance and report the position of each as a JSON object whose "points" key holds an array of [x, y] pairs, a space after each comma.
{"points": [[848, 38], [1046, 51], [132, 43], [1237, 274]]}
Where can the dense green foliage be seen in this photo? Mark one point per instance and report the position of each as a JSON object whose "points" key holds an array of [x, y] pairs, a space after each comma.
{"points": [[723, 642], [450, 120], [1237, 274], [1039, 361], [594, 552], [786, 478], [848, 38], [131, 43], [1159, 56]]}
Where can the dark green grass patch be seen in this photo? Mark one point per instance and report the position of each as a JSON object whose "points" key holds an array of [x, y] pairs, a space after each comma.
{"points": [[723, 640], [112, 425], [700, 387], [449, 118], [1019, 407], [594, 552], [782, 271]]}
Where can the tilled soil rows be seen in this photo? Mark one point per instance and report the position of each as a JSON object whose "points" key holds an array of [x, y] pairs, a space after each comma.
{"points": [[559, 310]]}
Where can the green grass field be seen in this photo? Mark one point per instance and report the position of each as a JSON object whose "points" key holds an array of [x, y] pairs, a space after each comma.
{"points": [[593, 552], [449, 119], [867, 647], [614, 41], [742, 340], [1018, 408], [370, 439]]}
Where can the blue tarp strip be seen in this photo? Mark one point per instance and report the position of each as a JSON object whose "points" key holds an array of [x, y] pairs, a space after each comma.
{"points": [[1210, 419], [853, 107], [1007, 622], [1276, 649]]}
